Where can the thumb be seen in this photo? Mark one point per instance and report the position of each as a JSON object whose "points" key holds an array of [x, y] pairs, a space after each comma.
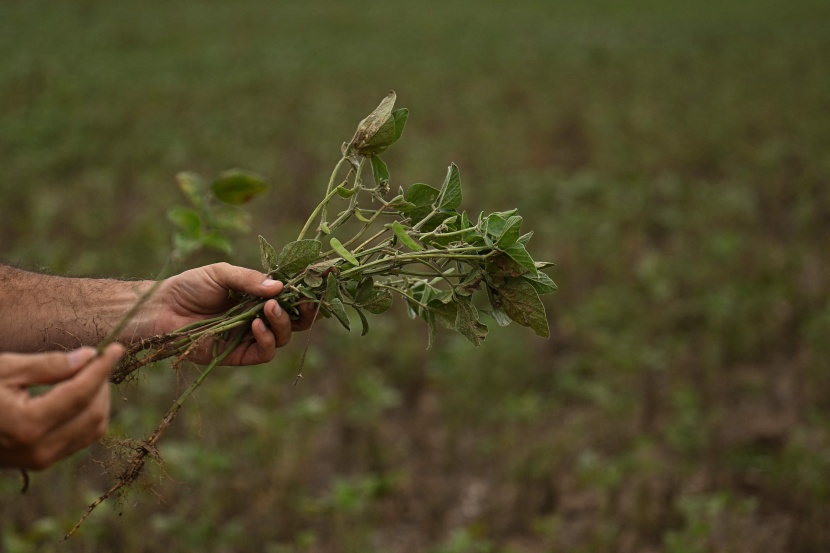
{"points": [[244, 280], [43, 368]]}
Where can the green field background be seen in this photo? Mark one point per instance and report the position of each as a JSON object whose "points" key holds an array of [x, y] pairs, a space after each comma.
{"points": [[671, 157]]}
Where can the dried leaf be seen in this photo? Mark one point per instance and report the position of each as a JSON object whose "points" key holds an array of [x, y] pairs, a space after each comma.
{"points": [[519, 300]]}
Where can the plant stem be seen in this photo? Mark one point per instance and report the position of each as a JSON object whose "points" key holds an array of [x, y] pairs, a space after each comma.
{"points": [[330, 191]]}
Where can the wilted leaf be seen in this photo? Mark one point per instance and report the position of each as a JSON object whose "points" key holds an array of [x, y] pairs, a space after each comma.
{"points": [[313, 278], [338, 310], [379, 171], [429, 318], [451, 189], [363, 321], [298, 255], [378, 130], [445, 313], [520, 301], [467, 323], [405, 239], [380, 303], [238, 186], [267, 255], [332, 289], [343, 252], [502, 264], [365, 290]]}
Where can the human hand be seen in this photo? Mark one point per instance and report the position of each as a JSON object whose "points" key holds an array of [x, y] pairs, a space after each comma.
{"points": [[203, 293], [36, 431]]}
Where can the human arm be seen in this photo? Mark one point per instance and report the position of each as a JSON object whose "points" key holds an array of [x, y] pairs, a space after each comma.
{"points": [[45, 312]]}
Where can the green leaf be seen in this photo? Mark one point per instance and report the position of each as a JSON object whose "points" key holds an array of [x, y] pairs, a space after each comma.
{"points": [[524, 239], [380, 303], [298, 255], [344, 192], [184, 245], [238, 186], [229, 218], [363, 321], [343, 252], [400, 116], [544, 264], [365, 290], [216, 241], [451, 189], [518, 298], [510, 233], [338, 310], [465, 221], [467, 323], [519, 254], [379, 171], [332, 288], [405, 239], [360, 217], [324, 228], [421, 195], [192, 186], [541, 282], [186, 219], [267, 255]]}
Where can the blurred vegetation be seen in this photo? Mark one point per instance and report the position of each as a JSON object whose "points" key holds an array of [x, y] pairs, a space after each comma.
{"points": [[673, 158]]}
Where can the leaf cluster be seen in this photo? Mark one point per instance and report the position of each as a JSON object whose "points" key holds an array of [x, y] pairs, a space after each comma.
{"points": [[447, 268]]}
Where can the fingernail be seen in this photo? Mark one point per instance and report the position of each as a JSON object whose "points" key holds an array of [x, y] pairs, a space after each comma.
{"points": [[269, 282], [79, 357], [277, 310]]}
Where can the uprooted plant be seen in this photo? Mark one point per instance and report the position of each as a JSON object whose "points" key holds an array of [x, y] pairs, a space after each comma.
{"points": [[416, 244]]}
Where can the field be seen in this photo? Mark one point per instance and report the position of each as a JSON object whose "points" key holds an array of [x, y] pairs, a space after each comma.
{"points": [[672, 157]]}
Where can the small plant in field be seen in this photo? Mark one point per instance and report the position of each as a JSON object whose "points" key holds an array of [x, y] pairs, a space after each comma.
{"points": [[362, 246]]}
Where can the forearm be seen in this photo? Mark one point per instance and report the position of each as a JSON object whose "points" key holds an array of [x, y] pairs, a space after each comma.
{"points": [[44, 312]]}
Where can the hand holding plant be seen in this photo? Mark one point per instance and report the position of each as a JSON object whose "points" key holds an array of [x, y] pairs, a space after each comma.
{"points": [[361, 247]]}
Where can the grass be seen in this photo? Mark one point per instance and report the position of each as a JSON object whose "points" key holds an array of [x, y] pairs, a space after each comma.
{"points": [[673, 159]]}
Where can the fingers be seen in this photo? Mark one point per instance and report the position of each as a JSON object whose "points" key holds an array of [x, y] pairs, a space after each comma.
{"points": [[308, 311], [66, 400], [37, 431], [279, 321], [87, 427], [48, 368], [244, 280]]}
